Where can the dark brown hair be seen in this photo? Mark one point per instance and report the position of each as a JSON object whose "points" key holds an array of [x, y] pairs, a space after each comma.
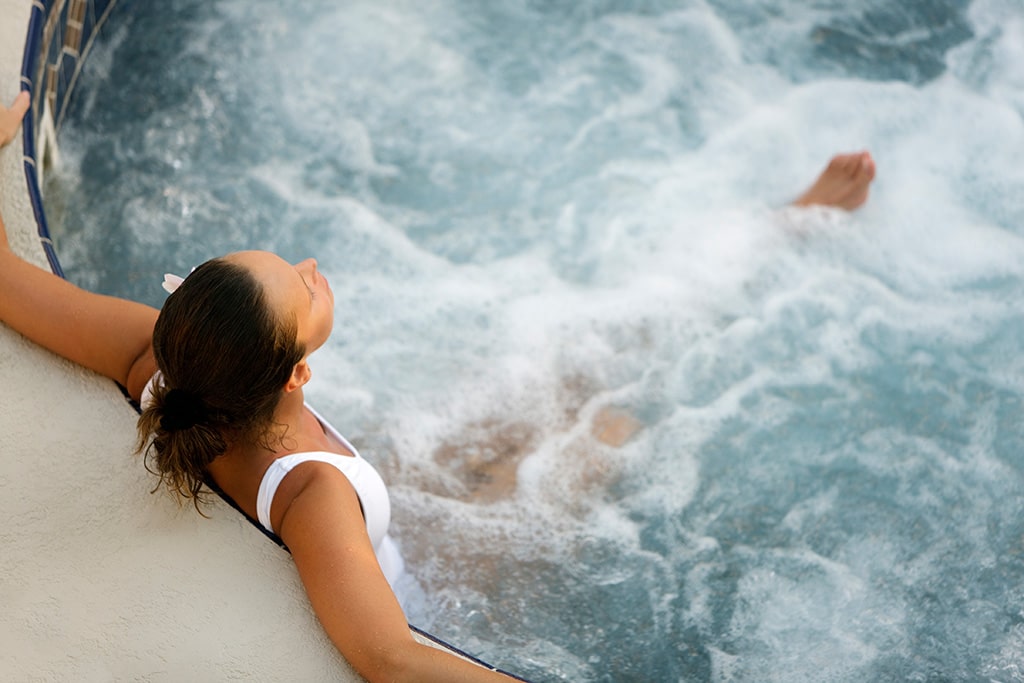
{"points": [[224, 358]]}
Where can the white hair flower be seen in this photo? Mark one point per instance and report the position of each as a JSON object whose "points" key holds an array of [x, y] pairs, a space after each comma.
{"points": [[172, 282]]}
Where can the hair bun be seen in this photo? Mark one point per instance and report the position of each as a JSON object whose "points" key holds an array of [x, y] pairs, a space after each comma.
{"points": [[182, 410]]}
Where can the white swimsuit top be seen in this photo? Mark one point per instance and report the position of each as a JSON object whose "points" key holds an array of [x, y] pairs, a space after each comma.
{"points": [[373, 495], [369, 487]]}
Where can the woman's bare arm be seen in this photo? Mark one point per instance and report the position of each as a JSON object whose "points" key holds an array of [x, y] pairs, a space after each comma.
{"points": [[324, 529], [112, 336]]}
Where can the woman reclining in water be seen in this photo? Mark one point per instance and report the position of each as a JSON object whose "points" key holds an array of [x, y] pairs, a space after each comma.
{"points": [[219, 373]]}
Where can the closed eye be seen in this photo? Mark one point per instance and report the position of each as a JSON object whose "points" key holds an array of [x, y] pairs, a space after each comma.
{"points": [[312, 294]]}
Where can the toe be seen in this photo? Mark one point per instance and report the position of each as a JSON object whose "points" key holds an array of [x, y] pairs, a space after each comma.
{"points": [[867, 166], [21, 103]]}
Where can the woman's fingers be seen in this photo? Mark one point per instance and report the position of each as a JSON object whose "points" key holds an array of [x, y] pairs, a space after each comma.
{"points": [[10, 117]]}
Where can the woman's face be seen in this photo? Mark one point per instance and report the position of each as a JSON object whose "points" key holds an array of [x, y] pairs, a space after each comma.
{"points": [[298, 290]]}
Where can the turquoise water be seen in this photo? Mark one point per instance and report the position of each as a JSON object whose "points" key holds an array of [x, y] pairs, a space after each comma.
{"points": [[534, 212]]}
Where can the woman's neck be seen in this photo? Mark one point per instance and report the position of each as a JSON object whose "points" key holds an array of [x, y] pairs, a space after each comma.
{"points": [[288, 420], [238, 471], [290, 407]]}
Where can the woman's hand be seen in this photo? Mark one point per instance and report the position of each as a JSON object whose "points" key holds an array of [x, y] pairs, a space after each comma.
{"points": [[10, 118], [112, 336], [10, 121]]}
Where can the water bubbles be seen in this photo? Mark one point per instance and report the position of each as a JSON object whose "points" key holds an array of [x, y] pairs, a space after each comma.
{"points": [[639, 420]]}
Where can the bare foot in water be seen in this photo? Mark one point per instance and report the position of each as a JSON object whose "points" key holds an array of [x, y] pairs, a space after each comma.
{"points": [[843, 184]]}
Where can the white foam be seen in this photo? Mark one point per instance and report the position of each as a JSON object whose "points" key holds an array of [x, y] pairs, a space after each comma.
{"points": [[526, 221], [802, 613]]}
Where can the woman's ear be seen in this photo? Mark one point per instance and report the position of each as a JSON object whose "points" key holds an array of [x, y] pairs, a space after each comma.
{"points": [[300, 375]]}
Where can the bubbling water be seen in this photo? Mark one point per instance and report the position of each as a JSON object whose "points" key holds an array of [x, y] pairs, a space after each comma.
{"points": [[535, 216]]}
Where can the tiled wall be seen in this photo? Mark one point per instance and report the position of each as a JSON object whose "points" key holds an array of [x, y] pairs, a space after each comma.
{"points": [[67, 31], [60, 33]]}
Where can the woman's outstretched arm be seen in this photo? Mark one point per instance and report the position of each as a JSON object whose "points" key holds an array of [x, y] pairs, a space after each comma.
{"points": [[112, 336], [323, 527]]}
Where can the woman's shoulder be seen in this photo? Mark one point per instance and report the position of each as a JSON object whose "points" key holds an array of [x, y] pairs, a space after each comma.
{"points": [[320, 483]]}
